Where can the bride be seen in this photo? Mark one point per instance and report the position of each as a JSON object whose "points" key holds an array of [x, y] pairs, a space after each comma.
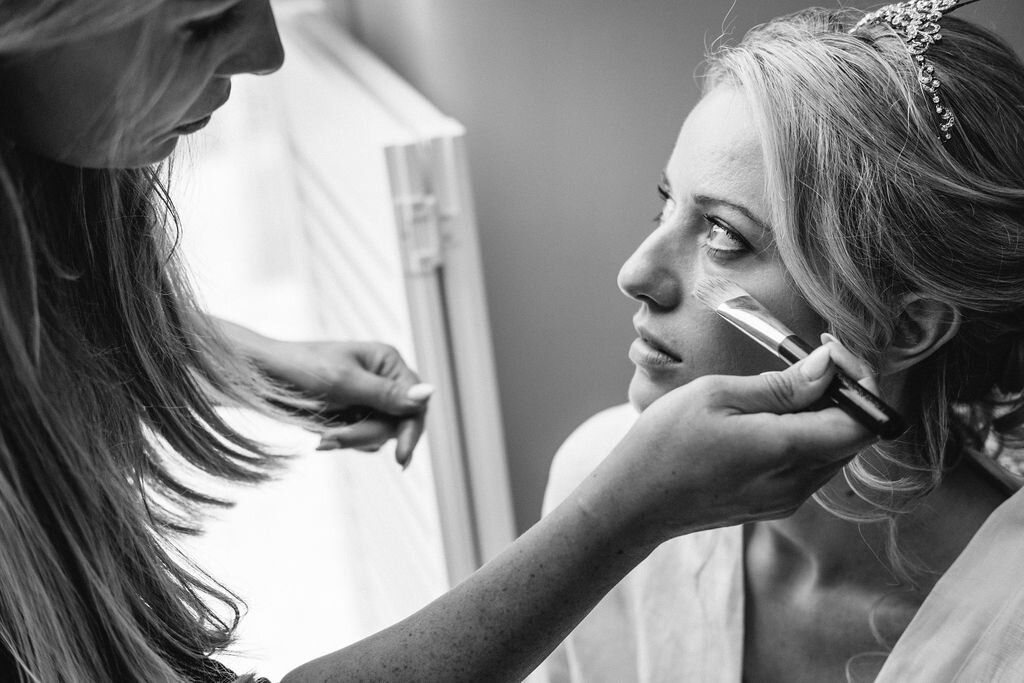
{"points": [[819, 175]]}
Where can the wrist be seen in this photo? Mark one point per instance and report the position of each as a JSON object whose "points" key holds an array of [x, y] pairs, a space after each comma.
{"points": [[631, 510], [598, 532], [269, 355]]}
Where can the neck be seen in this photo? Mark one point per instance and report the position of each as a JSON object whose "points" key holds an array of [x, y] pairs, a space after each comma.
{"points": [[813, 544]]}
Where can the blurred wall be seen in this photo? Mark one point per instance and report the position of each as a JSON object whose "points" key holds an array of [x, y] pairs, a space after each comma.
{"points": [[572, 107]]}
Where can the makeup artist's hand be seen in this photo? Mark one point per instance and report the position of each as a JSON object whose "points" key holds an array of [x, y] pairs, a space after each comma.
{"points": [[369, 394], [725, 450]]}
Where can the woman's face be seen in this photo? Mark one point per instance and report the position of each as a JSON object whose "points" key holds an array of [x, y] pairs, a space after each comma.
{"points": [[714, 223], [112, 101]]}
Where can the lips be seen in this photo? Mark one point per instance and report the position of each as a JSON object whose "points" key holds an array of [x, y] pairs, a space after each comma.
{"points": [[194, 126], [220, 100], [651, 353], [655, 343]]}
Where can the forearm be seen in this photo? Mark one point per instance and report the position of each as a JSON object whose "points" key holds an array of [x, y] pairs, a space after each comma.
{"points": [[503, 621], [262, 351], [705, 455]]}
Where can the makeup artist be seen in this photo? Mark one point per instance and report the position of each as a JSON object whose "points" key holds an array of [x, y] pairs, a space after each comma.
{"points": [[107, 366]]}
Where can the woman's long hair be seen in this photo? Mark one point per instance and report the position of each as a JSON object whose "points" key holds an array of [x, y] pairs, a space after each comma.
{"points": [[878, 207], [110, 378]]}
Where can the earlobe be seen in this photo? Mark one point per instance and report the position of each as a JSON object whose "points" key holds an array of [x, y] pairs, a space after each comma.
{"points": [[923, 327]]}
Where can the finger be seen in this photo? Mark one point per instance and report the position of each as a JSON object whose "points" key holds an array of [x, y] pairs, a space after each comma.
{"points": [[407, 436], [870, 383], [373, 431], [400, 396], [800, 387], [349, 416], [822, 436], [852, 365], [812, 476], [382, 380], [793, 389]]}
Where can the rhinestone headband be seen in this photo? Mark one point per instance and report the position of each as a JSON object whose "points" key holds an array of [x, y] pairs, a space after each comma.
{"points": [[917, 22]]}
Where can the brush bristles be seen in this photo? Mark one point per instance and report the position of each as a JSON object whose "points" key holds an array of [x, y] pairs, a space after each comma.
{"points": [[715, 291]]}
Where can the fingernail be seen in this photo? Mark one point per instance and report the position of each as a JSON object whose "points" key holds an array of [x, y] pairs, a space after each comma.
{"points": [[826, 338], [403, 461], [338, 433], [419, 392], [814, 366], [328, 445]]}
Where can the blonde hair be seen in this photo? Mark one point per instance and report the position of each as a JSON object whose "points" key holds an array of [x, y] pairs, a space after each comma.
{"points": [[111, 378], [872, 206]]}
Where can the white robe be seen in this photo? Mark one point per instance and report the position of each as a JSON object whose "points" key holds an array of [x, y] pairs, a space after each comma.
{"points": [[677, 617], [970, 628]]}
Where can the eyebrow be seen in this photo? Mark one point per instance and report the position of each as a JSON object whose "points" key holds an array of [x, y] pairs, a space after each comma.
{"points": [[759, 222], [708, 199]]}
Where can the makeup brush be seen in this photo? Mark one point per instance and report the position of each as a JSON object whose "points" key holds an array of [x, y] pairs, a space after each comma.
{"points": [[738, 307]]}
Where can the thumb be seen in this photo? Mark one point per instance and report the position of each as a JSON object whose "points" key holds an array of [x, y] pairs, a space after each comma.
{"points": [[791, 390], [391, 396]]}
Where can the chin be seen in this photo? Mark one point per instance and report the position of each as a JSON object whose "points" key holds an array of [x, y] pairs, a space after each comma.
{"points": [[643, 392], [107, 156], [138, 158], [148, 156]]}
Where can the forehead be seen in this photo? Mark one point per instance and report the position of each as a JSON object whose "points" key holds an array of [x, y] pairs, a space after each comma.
{"points": [[718, 151]]}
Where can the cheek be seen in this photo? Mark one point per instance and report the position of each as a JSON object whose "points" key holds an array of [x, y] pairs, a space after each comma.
{"points": [[66, 121], [70, 104], [39, 93], [709, 346], [770, 284], [794, 312]]}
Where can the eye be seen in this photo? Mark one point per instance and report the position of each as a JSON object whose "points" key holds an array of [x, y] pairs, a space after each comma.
{"points": [[666, 199], [210, 27], [722, 241]]}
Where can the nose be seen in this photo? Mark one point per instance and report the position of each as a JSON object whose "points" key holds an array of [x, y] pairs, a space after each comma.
{"points": [[259, 49], [651, 274]]}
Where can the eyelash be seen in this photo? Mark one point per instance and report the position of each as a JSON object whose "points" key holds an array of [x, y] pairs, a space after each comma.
{"points": [[204, 29], [665, 196], [713, 224], [742, 245]]}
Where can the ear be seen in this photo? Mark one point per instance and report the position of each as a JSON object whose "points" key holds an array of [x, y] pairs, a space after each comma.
{"points": [[924, 325]]}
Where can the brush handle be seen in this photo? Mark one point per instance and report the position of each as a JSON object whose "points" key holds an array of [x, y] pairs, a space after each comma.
{"points": [[851, 397]]}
